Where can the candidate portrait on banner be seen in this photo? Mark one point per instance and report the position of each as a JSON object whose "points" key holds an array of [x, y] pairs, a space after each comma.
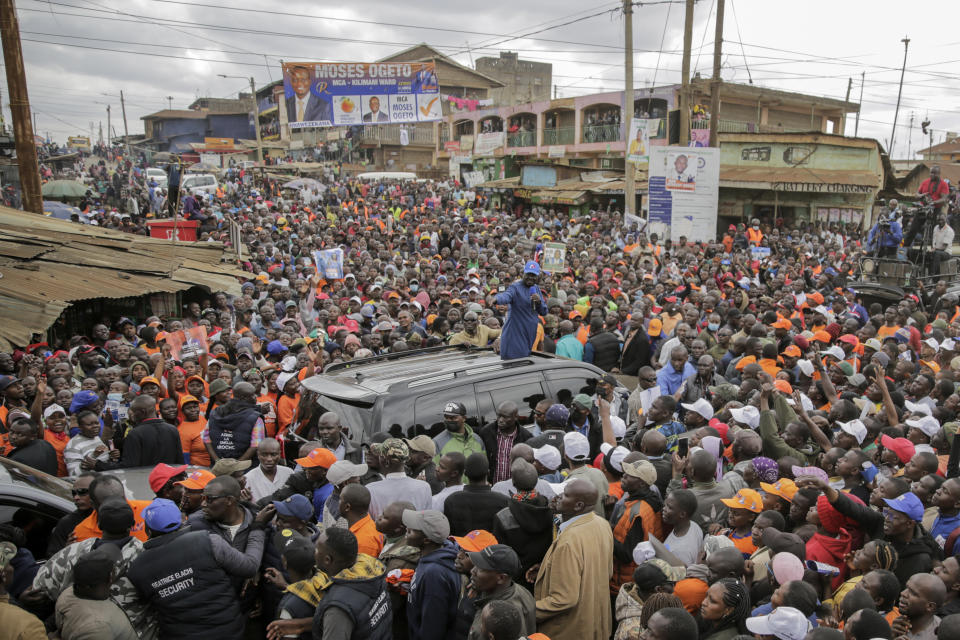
{"points": [[373, 109], [304, 105], [681, 172]]}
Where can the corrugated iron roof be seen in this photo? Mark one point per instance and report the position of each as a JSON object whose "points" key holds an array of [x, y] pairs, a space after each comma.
{"points": [[46, 264]]}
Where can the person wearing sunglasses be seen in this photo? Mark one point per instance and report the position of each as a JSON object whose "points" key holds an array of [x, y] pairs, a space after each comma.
{"points": [[65, 526]]}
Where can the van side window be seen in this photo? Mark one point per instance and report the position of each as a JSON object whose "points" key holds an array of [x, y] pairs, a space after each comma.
{"points": [[525, 391], [563, 385]]}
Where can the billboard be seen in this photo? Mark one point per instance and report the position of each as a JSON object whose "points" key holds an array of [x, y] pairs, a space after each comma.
{"points": [[323, 94], [683, 191], [78, 142]]}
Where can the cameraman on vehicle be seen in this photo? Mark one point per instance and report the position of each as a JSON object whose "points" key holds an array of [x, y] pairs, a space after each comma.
{"points": [[935, 193], [884, 238]]}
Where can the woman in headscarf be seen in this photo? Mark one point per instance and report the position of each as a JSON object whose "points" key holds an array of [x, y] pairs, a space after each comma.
{"points": [[761, 469], [714, 445], [724, 610]]}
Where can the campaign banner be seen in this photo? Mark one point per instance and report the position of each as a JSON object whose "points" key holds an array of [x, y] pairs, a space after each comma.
{"points": [[188, 343], [554, 257], [638, 147], [324, 94], [683, 212], [759, 253], [329, 263], [681, 171], [487, 143]]}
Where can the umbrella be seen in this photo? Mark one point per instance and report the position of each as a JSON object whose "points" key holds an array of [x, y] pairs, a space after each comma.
{"points": [[57, 189], [59, 210], [301, 183]]}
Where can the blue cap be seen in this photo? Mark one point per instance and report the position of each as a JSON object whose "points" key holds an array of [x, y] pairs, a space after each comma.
{"points": [[557, 414], [276, 347], [907, 503], [82, 399], [532, 267], [297, 506], [162, 515]]}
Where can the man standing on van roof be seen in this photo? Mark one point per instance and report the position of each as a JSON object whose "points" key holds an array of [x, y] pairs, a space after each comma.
{"points": [[526, 303]]}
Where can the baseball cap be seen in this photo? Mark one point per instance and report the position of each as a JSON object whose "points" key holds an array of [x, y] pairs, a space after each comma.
{"points": [[793, 351], [476, 540], [745, 499], [582, 400], [749, 416], [918, 407], [701, 406], [115, 514], [319, 457], [433, 524], [725, 391], [782, 386], [873, 343], [423, 444], [7, 551], [857, 380], [784, 488], [276, 347], [549, 456], [655, 328], [162, 515], [835, 351], [907, 503], [576, 446], [785, 623], [227, 466], [806, 367], [557, 414], [455, 409], [197, 480], [497, 557], [391, 448], [902, 447], [531, 267], [342, 470], [296, 506], [642, 469], [161, 474], [52, 409], [857, 429], [786, 567], [928, 424], [782, 323]]}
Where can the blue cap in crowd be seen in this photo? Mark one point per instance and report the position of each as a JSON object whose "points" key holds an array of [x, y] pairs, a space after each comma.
{"points": [[907, 503], [296, 506], [276, 347], [531, 267], [161, 515]]}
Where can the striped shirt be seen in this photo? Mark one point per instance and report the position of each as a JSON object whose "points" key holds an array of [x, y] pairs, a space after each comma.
{"points": [[79, 447]]}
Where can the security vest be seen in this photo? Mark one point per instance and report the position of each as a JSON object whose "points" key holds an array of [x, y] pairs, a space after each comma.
{"points": [[192, 595], [754, 236], [365, 601]]}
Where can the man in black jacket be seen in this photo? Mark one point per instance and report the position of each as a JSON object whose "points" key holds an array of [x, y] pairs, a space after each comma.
{"points": [[235, 429], [474, 506], [899, 525], [500, 437], [636, 348], [526, 523], [150, 442]]}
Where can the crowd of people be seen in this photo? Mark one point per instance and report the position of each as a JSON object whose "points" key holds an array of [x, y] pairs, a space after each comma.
{"points": [[761, 455]]}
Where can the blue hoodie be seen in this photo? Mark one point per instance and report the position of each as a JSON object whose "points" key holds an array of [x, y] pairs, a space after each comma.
{"points": [[434, 594]]}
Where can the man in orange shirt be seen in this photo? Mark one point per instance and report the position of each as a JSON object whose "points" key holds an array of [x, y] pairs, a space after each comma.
{"points": [[354, 506], [108, 486]]}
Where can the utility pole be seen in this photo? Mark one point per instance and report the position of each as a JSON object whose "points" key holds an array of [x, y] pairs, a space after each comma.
{"points": [[685, 76], [126, 133], [629, 170], [109, 130], [20, 108], [256, 120], [170, 102], [856, 126], [903, 70], [715, 81], [910, 136]]}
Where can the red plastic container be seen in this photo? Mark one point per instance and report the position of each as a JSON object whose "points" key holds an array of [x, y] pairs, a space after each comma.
{"points": [[186, 229]]}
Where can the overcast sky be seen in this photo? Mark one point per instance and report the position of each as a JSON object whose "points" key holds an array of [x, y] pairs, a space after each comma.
{"points": [[811, 47]]}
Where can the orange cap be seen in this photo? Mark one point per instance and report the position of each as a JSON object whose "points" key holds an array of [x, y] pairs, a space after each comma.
{"points": [[197, 480], [783, 324], [744, 361], [476, 540], [816, 296], [319, 457], [184, 399], [782, 385], [784, 488], [793, 351], [745, 499], [822, 336], [656, 327]]}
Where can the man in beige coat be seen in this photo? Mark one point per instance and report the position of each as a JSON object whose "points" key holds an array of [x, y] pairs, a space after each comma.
{"points": [[572, 585]]}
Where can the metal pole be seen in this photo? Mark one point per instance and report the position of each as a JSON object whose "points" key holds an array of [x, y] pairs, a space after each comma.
{"points": [[629, 185], [903, 70], [109, 131], [19, 101], [256, 120], [856, 125], [715, 80], [126, 133], [685, 76], [847, 100]]}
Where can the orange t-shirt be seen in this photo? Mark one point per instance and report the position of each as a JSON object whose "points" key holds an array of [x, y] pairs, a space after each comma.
{"points": [[287, 411], [369, 540], [269, 420], [58, 444], [885, 331], [88, 528], [191, 440], [745, 544]]}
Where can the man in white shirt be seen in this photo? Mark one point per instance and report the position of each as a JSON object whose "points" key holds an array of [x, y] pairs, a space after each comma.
{"points": [[396, 484], [269, 476], [942, 242]]}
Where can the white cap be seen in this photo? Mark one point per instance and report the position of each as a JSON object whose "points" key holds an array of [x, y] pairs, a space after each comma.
{"points": [[822, 310], [342, 470], [806, 367], [785, 623], [52, 409], [856, 428], [918, 407], [836, 352], [643, 551], [284, 378], [948, 344], [548, 455], [749, 416], [701, 406], [617, 454], [289, 363], [619, 427], [932, 343], [928, 424], [576, 446]]}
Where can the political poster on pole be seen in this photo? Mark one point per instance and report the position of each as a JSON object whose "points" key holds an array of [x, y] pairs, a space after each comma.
{"points": [[188, 343], [329, 263], [683, 212], [554, 257], [324, 94], [638, 149]]}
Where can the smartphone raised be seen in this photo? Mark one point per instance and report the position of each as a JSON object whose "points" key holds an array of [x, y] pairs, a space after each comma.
{"points": [[683, 447]]}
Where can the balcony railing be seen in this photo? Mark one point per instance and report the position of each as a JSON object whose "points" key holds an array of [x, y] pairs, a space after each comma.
{"points": [[560, 135], [601, 133], [742, 126], [390, 134], [444, 133], [522, 139]]}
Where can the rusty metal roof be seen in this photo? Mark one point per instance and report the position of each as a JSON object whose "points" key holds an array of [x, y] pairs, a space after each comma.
{"points": [[46, 264]]}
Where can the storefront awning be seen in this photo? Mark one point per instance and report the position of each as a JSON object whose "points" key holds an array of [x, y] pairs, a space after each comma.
{"points": [[799, 179], [558, 197]]}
